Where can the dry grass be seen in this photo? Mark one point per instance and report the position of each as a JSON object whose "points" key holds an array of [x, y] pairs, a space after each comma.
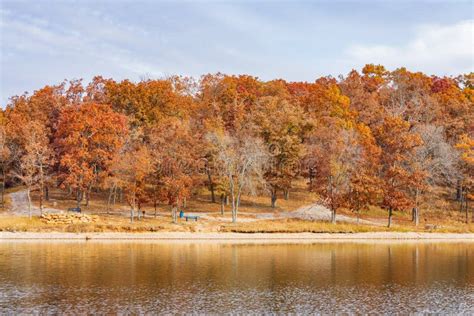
{"points": [[300, 226], [104, 224], [113, 223]]}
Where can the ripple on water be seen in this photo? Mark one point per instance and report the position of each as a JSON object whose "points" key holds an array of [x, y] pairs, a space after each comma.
{"points": [[141, 279]]}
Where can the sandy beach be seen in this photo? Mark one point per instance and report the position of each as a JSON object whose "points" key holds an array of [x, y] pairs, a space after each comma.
{"points": [[241, 237]]}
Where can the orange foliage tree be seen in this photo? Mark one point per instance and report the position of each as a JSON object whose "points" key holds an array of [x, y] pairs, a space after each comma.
{"points": [[87, 138], [397, 143]]}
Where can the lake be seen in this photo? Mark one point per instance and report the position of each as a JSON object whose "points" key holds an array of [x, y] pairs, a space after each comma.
{"points": [[178, 277]]}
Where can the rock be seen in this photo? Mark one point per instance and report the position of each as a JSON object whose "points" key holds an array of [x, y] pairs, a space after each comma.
{"points": [[66, 218]]}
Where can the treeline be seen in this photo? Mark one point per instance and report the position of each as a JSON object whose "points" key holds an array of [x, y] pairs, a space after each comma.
{"points": [[372, 138]]}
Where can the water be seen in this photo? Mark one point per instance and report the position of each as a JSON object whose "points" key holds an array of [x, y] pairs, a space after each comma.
{"points": [[173, 277]]}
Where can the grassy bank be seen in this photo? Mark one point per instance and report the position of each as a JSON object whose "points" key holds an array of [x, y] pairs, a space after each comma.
{"points": [[163, 224]]}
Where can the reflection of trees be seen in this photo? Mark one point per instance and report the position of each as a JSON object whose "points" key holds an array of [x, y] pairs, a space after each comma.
{"points": [[132, 272]]}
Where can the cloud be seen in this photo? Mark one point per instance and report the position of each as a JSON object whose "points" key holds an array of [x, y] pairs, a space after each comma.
{"points": [[37, 51], [439, 49], [93, 39]]}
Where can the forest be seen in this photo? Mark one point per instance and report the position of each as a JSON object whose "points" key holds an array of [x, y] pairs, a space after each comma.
{"points": [[369, 138]]}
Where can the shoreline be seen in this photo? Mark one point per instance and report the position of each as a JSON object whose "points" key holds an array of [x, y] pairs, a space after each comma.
{"points": [[238, 237]]}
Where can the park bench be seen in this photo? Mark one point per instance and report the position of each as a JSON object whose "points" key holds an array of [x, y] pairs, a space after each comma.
{"points": [[74, 209], [188, 217], [193, 217]]}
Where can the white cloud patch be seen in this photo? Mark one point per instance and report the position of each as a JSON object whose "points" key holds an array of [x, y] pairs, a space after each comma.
{"points": [[437, 49], [35, 51]]}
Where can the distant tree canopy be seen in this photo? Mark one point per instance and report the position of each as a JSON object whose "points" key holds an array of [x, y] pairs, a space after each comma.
{"points": [[374, 137]]}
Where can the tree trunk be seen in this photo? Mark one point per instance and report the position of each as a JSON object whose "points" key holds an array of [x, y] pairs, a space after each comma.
{"points": [[109, 200], [466, 208], [235, 204], [358, 216], [227, 199], [389, 217], [184, 203], [79, 198], [29, 202], [3, 186], [286, 194], [311, 176], [115, 198], [273, 197], [155, 199], [211, 185], [139, 214], [472, 215], [222, 204], [41, 199], [46, 192], [88, 193], [417, 216], [174, 214], [234, 212], [131, 215], [461, 202], [333, 209], [3, 194], [458, 191]]}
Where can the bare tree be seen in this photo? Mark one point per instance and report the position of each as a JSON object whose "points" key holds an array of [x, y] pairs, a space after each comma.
{"points": [[241, 162], [35, 161], [436, 158]]}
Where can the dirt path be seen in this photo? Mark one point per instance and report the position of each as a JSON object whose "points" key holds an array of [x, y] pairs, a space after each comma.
{"points": [[320, 213], [19, 205], [312, 212]]}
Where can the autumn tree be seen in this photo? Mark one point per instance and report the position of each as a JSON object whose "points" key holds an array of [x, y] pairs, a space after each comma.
{"points": [[332, 173], [281, 127], [466, 146], [87, 138], [134, 166], [150, 101], [32, 169], [396, 176], [364, 159], [344, 172], [454, 111], [4, 156], [176, 162], [363, 91]]}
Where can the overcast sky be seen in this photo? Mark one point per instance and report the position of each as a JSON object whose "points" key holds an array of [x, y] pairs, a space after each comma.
{"points": [[43, 42]]}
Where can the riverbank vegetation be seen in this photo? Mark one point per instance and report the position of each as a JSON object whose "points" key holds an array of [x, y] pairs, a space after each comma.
{"points": [[373, 141]]}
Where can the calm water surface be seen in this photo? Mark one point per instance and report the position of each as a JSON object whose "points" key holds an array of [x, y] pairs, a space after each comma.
{"points": [[151, 277]]}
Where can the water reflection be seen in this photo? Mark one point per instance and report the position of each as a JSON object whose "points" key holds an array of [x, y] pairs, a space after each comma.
{"points": [[140, 277]]}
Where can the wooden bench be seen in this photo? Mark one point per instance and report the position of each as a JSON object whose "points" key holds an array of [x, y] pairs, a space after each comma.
{"points": [[193, 217], [74, 209]]}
